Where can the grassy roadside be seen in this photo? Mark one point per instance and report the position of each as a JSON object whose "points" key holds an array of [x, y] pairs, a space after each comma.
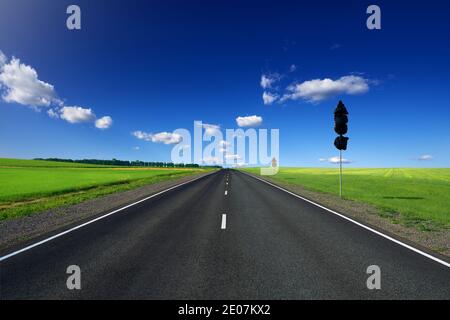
{"points": [[411, 197], [30, 186]]}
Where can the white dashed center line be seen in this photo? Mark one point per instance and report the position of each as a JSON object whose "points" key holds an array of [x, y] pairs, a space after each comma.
{"points": [[224, 221], [226, 192]]}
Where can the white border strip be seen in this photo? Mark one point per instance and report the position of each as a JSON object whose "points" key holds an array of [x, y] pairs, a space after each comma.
{"points": [[429, 256], [98, 218]]}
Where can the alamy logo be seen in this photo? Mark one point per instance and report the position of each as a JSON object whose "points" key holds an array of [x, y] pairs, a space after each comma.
{"points": [[73, 22], [374, 20], [237, 148], [374, 280], [74, 280]]}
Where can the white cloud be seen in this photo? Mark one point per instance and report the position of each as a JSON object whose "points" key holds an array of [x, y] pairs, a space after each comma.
{"points": [[233, 157], [334, 160], [292, 68], [3, 59], [224, 146], [20, 84], [267, 81], [212, 160], [136, 148], [269, 98], [23, 86], [75, 114], [211, 129], [239, 165], [142, 135], [249, 121], [167, 138], [52, 113], [335, 46], [104, 122], [425, 157], [162, 137], [320, 89]]}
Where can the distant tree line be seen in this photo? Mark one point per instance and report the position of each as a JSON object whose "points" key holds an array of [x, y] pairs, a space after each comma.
{"points": [[126, 163]]}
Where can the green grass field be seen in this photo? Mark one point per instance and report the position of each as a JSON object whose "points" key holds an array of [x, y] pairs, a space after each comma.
{"points": [[5, 162], [417, 195], [29, 186]]}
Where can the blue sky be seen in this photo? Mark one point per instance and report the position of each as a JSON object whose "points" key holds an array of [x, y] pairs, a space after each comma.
{"points": [[155, 66]]}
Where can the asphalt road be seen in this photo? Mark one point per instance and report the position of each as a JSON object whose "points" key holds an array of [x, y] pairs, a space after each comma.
{"points": [[179, 245]]}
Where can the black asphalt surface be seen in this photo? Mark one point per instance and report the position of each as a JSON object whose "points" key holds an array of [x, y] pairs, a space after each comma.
{"points": [[274, 246]]}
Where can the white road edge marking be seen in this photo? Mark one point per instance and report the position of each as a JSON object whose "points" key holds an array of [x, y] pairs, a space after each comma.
{"points": [[226, 192], [96, 219], [429, 256], [224, 222]]}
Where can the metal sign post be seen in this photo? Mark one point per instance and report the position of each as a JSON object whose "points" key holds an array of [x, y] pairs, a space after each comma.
{"points": [[340, 127], [340, 173]]}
